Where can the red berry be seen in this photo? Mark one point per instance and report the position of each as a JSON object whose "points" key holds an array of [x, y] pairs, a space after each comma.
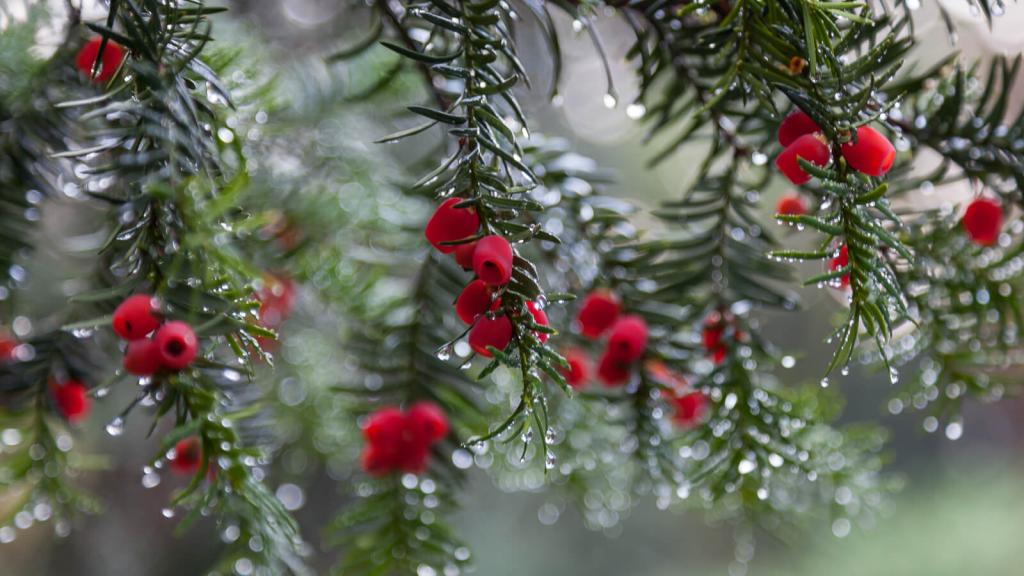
{"points": [[540, 317], [795, 125], [492, 260], [474, 300], [628, 339], [840, 261], [689, 408], [385, 426], [871, 154], [578, 373], [449, 224], [983, 220], [427, 422], [464, 255], [496, 332], [811, 148], [113, 54], [718, 353], [277, 298], [71, 398], [413, 457], [612, 371], [136, 317], [599, 310], [142, 357], [177, 345], [791, 205], [7, 346], [188, 456], [714, 327]]}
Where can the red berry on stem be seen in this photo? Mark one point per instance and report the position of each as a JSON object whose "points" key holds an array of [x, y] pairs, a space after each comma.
{"points": [[142, 357], [135, 317], [496, 332], [689, 408], [449, 224], [71, 398], [578, 373], [540, 317], [871, 154], [983, 220], [791, 205], [795, 125], [612, 371], [464, 255], [85, 61], [177, 344], [427, 422], [840, 261], [188, 456], [599, 310], [474, 300], [628, 339], [811, 148], [492, 260]]}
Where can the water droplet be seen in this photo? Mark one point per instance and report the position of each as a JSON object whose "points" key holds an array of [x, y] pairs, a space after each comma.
{"points": [[610, 101], [116, 426]]}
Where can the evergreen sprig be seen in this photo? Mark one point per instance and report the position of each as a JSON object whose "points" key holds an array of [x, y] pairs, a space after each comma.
{"points": [[163, 158]]}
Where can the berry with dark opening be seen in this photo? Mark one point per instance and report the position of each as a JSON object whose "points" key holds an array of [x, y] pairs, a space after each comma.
{"points": [[142, 357], [540, 317], [496, 332], [449, 224], [599, 310], [983, 220], [613, 371], [188, 456], [492, 260], [577, 374], [474, 300], [177, 345], [812, 148], [838, 262], [85, 61], [464, 255], [871, 154], [136, 317], [71, 398], [690, 408], [795, 125], [628, 339], [791, 205]]}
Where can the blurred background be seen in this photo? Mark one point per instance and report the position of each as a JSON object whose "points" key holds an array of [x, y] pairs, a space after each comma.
{"points": [[962, 509]]}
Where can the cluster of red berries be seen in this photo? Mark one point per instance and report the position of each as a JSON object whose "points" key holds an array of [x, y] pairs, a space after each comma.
{"points": [[397, 440], [870, 152], [113, 55], [71, 398], [983, 221], [689, 406], [173, 345], [451, 229], [719, 329], [600, 313]]}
